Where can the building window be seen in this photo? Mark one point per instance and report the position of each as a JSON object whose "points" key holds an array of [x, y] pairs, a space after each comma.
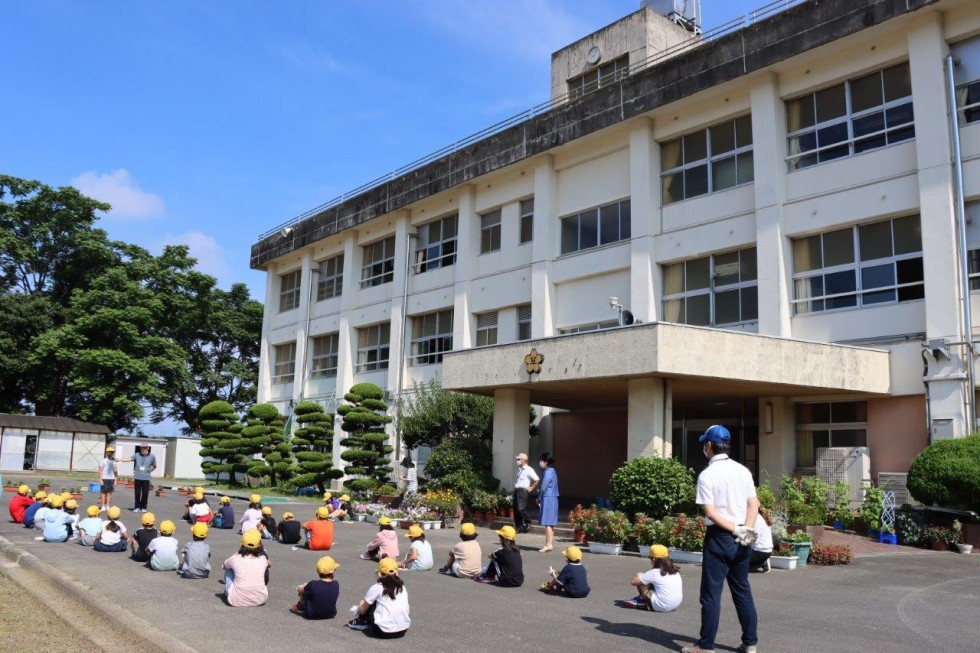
{"points": [[596, 227], [712, 159], [373, 347], [284, 368], [595, 326], [379, 263], [436, 245], [486, 329], [973, 259], [859, 115], [604, 75], [325, 356], [331, 278], [527, 221], [877, 263], [490, 232], [432, 336], [289, 285], [524, 322], [966, 76], [716, 290], [837, 424]]}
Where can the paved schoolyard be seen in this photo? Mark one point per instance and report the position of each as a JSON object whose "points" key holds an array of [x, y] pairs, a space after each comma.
{"points": [[910, 602]]}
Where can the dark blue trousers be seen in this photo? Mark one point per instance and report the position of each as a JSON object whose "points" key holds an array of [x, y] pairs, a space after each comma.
{"points": [[725, 560]]}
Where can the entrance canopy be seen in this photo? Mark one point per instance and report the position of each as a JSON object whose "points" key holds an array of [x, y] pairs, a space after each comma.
{"points": [[593, 369]]}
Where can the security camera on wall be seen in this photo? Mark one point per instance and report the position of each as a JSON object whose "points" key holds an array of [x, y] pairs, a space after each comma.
{"points": [[613, 302]]}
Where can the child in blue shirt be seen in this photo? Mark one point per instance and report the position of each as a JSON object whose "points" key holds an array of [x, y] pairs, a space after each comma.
{"points": [[572, 581], [89, 527], [225, 517], [40, 501], [57, 523]]}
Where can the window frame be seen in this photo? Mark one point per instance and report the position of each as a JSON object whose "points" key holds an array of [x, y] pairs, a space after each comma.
{"points": [[525, 219], [382, 348], [829, 427], [323, 365], [623, 219], [290, 294], [435, 345], [487, 327], [712, 290], [739, 152], [524, 314], [425, 263], [593, 326], [594, 79], [330, 284], [490, 228], [284, 371], [377, 272]]}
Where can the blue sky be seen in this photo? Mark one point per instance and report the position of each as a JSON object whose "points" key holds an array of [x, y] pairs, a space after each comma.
{"points": [[208, 123]]}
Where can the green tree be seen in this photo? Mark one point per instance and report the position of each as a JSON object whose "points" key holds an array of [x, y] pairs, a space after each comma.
{"points": [[365, 417], [222, 441], [462, 464], [264, 437], [313, 446], [654, 486]]}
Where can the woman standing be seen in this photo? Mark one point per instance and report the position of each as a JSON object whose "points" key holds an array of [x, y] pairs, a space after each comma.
{"points": [[548, 500], [409, 475]]}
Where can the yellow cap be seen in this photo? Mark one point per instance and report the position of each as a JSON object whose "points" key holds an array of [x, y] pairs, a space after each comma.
{"points": [[287, 515], [71, 504], [225, 500], [573, 553], [114, 512], [65, 496], [326, 565], [199, 490], [266, 510], [388, 567], [467, 529], [255, 498], [345, 497], [23, 489], [414, 531], [322, 512], [200, 529], [41, 495], [92, 511], [56, 501], [110, 449], [148, 519], [508, 533], [167, 527], [384, 521], [327, 495], [252, 539], [198, 496], [659, 551]]}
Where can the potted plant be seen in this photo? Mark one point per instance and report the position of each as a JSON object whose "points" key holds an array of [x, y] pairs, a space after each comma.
{"points": [[841, 512], [160, 491], [960, 546], [800, 544], [783, 557], [76, 493], [874, 497], [481, 503], [184, 491], [684, 537], [44, 484], [607, 532], [578, 516], [505, 505], [645, 532], [10, 486], [940, 537], [887, 535]]}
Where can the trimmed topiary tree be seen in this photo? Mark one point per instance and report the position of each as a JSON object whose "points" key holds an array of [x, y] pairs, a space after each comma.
{"points": [[264, 437], [947, 473], [312, 445], [365, 417], [653, 486], [221, 441]]}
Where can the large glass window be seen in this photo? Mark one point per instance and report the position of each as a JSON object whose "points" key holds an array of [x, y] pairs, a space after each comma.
{"points": [[325, 356], [373, 347], [712, 159], [436, 244], [859, 115], [596, 227], [837, 424], [289, 286], [284, 368], [379, 263], [966, 76], [432, 336], [869, 264], [486, 329], [330, 281], [604, 75], [490, 232], [594, 326], [524, 322], [526, 221], [716, 290]]}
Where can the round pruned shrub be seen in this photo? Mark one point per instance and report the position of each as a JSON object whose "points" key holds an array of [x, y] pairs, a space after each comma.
{"points": [[367, 450], [654, 486], [221, 440], [312, 446], [947, 473]]}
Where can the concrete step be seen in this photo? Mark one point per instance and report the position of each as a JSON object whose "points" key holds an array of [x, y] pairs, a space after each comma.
{"points": [[563, 531]]}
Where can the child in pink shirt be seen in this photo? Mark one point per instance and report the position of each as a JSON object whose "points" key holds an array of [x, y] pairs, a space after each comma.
{"points": [[384, 544]]}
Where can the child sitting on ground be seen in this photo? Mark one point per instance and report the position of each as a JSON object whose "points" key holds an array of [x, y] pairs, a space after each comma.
{"points": [[289, 530], [660, 588], [247, 573], [330, 501], [113, 537], [268, 526], [419, 557], [318, 598], [163, 549], [343, 510], [200, 510], [40, 500], [20, 503], [251, 518], [57, 522], [319, 531], [39, 514], [506, 567], [465, 557], [225, 517], [572, 581], [384, 544], [142, 538], [196, 498], [384, 609], [89, 527], [197, 554]]}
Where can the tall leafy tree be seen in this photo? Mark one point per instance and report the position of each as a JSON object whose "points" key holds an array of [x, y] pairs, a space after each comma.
{"points": [[365, 417], [312, 446], [264, 438], [222, 441]]}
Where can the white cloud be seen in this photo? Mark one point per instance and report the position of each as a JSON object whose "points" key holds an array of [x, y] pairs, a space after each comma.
{"points": [[209, 254], [119, 189]]}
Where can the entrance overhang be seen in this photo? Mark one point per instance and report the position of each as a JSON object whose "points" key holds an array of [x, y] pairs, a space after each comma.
{"points": [[592, 369]]}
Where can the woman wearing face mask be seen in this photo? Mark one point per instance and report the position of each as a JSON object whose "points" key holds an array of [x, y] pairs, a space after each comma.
{"points": [[548, 500]]}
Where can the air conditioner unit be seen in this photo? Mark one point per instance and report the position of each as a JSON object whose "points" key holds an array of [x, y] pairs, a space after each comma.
{"points": [[897, 483], [849, 464]]}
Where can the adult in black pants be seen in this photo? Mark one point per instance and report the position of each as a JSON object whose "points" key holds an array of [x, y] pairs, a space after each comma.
{"points": [[525, 482], [144, 463]]}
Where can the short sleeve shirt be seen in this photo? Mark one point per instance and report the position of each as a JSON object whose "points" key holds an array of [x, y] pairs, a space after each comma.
{"points": [[511, 568], [164, 550], [142, 465], [321, 534], [423, 556], [290, 531], [320, 599], [728, 486], [468, 555], [390, 615], [108, 469], [143, 537], [668, 590], [574, 580], [197, 559], [525, 477]]}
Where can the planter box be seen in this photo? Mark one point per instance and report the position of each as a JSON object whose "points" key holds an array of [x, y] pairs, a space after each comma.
{"points": [[693, 557], [783, 562], [605, 548], [359, 517], [644, 550], [888, 538], [436, 524], [371, 519], [936, 545], [802, 551], [405, 523], [449, 522]]}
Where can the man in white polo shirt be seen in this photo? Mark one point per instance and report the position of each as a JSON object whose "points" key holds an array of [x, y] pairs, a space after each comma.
{"points": [[726, 492], [525, 482]]}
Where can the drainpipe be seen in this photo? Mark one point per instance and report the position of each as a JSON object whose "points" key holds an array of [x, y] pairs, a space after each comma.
{"points": [[401, 345], [287, 427], [964, 262], [925, 382]]}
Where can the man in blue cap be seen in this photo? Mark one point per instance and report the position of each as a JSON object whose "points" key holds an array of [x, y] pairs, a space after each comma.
{"points": [[726, 492]]}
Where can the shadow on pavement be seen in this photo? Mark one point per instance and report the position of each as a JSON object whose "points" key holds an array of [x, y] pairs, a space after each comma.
{"points": [[671, 641]]}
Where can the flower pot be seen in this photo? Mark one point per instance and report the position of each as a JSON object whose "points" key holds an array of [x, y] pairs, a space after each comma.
{"points": [[426, 526], [160, 493], [888, 538], [938, 545], [479, 515], [10, 488], [46, 486], [838, 526], [449, 522], [964, 548], [802, 551], [436, 524], [581, 537], [644, 550], [491, 516], [692, 557], [783, 562], [371, 519], [605, 548], [873, 533], [405, 523], [360, 517], [77, 496]]}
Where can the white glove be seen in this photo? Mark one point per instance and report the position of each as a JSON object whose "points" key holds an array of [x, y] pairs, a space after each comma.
{"points": [[744, 535]]}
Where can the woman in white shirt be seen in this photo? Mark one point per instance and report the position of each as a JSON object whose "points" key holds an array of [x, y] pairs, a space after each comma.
{"points": [[384, 609]]}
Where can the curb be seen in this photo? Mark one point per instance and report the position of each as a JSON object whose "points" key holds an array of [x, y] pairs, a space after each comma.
{"points": [[145, 636]]}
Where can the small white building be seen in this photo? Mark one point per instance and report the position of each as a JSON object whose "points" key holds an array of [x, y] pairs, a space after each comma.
{"points": [[57, 444]]}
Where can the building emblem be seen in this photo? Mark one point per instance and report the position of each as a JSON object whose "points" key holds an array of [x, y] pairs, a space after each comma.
{"points": [[533, 362]]}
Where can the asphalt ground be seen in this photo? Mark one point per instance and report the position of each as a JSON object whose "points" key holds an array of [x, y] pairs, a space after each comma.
{"points": [[895, 603]]}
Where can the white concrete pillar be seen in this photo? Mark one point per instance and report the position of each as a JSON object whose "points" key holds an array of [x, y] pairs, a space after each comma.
{"points": [[302, 324], [400, 329], [645, 208], [773, 253], [649, 421], [777, 450], [510, 431], [346, 340], [467, 250], [266, 357], [544, 247]]}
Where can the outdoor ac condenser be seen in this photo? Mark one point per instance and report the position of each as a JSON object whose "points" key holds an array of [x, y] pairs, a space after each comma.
{"points": [[849, 464]]}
